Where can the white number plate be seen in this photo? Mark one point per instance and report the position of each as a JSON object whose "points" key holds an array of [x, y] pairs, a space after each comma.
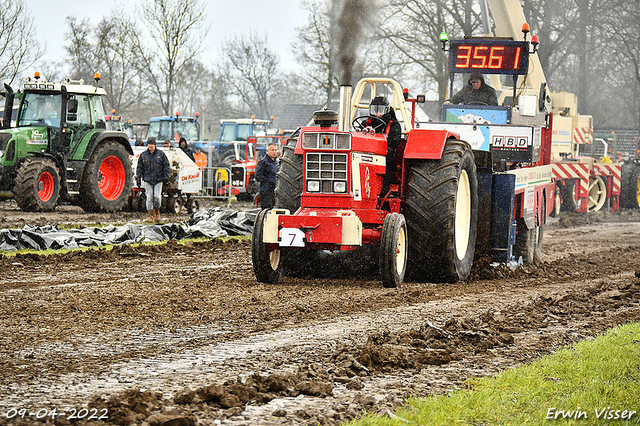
{"points": [[291, 237]]}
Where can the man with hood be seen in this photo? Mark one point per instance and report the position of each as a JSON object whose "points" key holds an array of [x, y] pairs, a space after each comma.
{"points": [[476, 92], [185, 148]]}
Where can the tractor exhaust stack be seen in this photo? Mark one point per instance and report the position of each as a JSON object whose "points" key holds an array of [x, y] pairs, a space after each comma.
{"points": [[344, 112]]}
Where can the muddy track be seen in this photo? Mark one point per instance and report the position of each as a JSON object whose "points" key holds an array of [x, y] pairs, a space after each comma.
{"points": [[183, 334]]}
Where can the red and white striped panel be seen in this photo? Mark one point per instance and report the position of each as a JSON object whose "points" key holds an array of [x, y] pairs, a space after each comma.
{"points": [[578, 171], [613, 170], [582, 135]]}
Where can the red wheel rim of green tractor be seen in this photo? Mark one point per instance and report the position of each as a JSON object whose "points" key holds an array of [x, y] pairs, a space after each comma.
{"points": [[45, 186], [112, 178]]}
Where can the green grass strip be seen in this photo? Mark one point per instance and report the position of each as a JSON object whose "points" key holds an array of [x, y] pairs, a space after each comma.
{"points": [[590, 383]]}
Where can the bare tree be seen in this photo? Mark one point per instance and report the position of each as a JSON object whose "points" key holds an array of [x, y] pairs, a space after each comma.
{"points": [[106, 48], [548, 21], [622, 39], [412, 27], [117, 59], [202, 92], [313, 49], [175, 31], [81, 49], [251, 71], [19, 48]]}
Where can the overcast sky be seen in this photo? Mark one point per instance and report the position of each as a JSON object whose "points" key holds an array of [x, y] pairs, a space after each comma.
{"points": [[278, 19]]}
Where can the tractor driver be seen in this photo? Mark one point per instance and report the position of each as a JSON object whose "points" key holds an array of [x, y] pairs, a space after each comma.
{"points": [[476, 92], [379, 107], [46, 113], [51, 113]]}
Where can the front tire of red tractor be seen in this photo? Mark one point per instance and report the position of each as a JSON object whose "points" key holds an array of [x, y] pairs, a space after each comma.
{"points": [[297, 263], [441, 210], [393, 250], [37, 185], [107, 179], [267, 264]]}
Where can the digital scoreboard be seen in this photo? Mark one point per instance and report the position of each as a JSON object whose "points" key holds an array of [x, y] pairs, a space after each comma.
{"points": [[489, 56]]}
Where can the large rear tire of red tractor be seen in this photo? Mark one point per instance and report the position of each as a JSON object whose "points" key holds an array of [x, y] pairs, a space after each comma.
{"points": [[267, 264], [107, 179], [630, 186], [441, 210], [37, 185], [289, 182], [393, 250]]}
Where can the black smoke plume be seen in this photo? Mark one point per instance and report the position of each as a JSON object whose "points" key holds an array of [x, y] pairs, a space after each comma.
{"points": [[353, 18]]}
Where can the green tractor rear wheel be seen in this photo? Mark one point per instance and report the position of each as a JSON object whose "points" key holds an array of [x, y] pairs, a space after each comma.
{"points": [[107, 179], [37, 185]]}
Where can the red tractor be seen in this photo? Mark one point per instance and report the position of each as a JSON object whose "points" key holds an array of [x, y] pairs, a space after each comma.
{"points": [[448, 200]]}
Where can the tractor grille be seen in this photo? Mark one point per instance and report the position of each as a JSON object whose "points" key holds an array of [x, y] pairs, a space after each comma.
{"points": [[326, 141], [326, 173]]}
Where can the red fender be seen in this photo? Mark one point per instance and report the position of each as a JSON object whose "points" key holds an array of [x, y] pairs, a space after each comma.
{"points": [[425, 144]]}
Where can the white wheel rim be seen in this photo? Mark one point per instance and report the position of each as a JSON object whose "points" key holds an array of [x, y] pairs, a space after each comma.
{"points": [[463, 215], [274, 259], [401, 251], [597, 194]]}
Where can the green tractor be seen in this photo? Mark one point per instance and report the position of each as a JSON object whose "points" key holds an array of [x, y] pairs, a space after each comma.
{"points": [[57, 148]]}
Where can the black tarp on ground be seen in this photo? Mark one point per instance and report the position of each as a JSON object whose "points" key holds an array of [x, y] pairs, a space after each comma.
{"points": [[215, 222]]}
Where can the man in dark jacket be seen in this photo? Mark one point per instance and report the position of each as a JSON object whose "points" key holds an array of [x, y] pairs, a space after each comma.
{"points": [[185, 148], [476, 92], [266, 171], [379, 108], [152, 171]]}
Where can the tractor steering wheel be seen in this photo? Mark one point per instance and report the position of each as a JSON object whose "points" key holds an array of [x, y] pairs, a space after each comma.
{"points": [[360, 123], [478, 103]]}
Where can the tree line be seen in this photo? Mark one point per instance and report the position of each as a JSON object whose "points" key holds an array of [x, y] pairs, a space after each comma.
{"points": [[151, 64]]}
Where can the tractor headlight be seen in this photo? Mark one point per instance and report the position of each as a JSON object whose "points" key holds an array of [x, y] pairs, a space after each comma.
{"points": [[313, 186], [339, 186]]}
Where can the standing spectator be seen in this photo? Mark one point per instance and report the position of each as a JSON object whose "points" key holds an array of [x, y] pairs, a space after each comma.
{"points": [[266, 171], [153, 169], [200, 158], [185, 148], [167, 143], [202, 162]]}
